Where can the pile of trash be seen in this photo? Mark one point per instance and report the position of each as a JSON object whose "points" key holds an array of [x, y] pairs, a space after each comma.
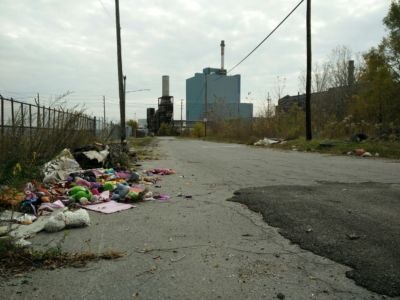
{"points": [[362, 153], [268, 142], [68, 191]]}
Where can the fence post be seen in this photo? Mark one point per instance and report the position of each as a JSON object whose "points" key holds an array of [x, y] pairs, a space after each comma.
{"points": [[58, 120], [38, 118], [43, 117], [12, 113], [2, 116], [30, 125], [22, 118], [48, 119], [94, 127], [54, 119]]}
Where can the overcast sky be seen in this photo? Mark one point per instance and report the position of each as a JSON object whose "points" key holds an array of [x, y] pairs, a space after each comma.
{"points": [[51, 46]]}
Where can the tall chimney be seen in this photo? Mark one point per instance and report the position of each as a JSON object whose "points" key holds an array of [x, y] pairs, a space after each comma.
{"points": [[350, 73], [222, 54], [165, 85]]}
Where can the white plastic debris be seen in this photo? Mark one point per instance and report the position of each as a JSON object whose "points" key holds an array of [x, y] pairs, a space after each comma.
{"points": [[55, 223], [77, 218], [100, 156], [367, 154], [266, 142], [60, 167]]}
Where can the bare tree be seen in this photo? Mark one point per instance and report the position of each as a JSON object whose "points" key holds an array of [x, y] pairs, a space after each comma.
{"points": [[280, 87], [320, 78]]}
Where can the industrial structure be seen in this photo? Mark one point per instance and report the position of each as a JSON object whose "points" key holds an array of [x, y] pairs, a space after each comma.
{"points": [[328, 100], [214, 95], [164, 113]]}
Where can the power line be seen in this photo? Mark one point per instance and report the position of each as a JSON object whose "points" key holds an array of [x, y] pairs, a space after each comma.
{"points": [[105, 9], [251, 52]]}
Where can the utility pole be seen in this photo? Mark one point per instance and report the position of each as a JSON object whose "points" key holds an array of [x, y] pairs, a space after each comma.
{"points": [[104, 112], [308, 76], [181, 115], [120, 77]]}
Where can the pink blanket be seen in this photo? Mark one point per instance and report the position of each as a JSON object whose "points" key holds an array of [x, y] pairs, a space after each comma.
{"points": [[109, 207]]}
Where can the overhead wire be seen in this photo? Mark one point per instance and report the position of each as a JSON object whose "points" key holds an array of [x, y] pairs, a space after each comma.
{"points": [[105, 9], [266, 38]]}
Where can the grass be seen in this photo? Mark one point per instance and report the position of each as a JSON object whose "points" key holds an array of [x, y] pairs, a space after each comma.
{"points": [[385, 149], [141, 142], [144, 148], [341, 147]]}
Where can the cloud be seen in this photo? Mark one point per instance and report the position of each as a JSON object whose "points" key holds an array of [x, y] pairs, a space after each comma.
{"points": [[51, 46]]}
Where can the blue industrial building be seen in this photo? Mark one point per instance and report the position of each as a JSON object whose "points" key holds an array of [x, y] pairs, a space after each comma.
{"points": [[214, 95]]}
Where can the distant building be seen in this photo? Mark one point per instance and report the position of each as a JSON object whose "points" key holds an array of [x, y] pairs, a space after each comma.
{"points": [[332, 100], [215, 95], [142, 123]]}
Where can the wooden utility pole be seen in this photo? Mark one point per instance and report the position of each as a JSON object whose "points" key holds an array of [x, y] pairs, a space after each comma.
{"points": [[120, 76], [308, 76]]}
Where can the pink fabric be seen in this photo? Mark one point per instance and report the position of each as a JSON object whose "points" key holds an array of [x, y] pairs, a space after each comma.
{"points": [[123, 175], [109, 207]]}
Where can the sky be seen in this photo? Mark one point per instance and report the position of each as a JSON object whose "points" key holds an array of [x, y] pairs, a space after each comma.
{"points": [[53, 46]]}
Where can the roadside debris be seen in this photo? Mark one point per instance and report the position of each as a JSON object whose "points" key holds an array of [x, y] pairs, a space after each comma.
{"points": [[280, 296], [362, 153], [268, 141], [61, 200], [353, 236]]}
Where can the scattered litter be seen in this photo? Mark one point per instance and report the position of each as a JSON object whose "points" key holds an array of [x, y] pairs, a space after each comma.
{"points": [[367, 154], [161, 197], [353, 236], [160, 171], [58, 201], [280, 296], [267, 142], [359, 152], [60, 167], [109, 207], [25, 219], [177, 259]]}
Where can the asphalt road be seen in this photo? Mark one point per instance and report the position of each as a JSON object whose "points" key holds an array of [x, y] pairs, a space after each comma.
{"points": [[357, 224], [206, 247]]}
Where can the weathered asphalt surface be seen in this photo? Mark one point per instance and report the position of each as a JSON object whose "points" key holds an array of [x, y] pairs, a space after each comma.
{"points": [[206, 247], [357, 224]]}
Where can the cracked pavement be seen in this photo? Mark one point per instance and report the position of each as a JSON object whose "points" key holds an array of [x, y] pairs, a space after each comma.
{"points": [[205, 247]]}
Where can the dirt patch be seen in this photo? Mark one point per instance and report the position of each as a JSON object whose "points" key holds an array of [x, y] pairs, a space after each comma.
{"points": [[17, 260], [354, 224]]}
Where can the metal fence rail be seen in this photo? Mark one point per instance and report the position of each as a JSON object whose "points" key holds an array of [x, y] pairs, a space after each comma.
{"points": [[21, 116]]}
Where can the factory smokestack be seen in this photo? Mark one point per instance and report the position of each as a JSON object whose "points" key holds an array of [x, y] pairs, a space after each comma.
{"points": [[165, 86], [222, 54]]}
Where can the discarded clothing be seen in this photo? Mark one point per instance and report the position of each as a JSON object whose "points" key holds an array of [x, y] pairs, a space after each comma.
{"points": [[109, 207]]}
